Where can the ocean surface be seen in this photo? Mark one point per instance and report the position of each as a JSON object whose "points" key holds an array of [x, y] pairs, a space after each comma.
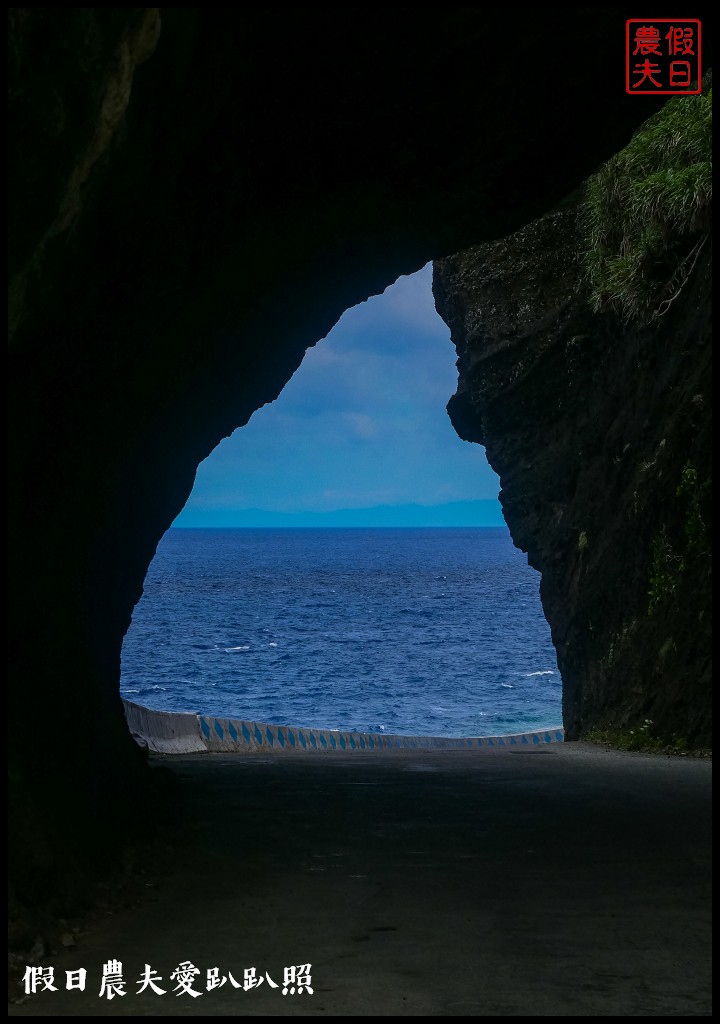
{"points": [[417, 631]]}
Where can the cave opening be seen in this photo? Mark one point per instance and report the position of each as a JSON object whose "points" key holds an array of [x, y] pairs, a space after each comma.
{"points": [[190, 210], [342, 562]]}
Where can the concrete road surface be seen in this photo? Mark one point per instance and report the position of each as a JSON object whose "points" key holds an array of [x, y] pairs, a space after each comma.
{"points": [[567, 880]]}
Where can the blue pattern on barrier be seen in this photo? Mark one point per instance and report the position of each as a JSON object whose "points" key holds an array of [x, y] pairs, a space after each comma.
{"points": [[243, 733]]}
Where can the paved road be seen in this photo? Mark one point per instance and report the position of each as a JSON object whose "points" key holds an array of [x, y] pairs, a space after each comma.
{"points": [[567, 881]]}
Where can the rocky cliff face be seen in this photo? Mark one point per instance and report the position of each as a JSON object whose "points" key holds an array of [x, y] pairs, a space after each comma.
{"points": [[601, 437]]}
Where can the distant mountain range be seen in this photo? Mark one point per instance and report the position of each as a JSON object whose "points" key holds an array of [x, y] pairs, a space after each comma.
{"points": [[454, 513]]}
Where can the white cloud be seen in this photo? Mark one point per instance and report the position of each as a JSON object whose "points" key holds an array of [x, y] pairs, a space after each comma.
{"points": [[361, 423], [363, 426]]}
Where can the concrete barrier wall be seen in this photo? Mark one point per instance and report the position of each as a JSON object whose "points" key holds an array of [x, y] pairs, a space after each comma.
{"points": [[163, 732], [166, 732]]}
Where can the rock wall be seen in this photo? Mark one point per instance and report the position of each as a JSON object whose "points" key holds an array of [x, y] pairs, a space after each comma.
{"points": [[601, 437]]}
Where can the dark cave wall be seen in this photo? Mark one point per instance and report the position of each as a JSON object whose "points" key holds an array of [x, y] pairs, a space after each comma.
{"points": [[196, 196], [590, 425]]}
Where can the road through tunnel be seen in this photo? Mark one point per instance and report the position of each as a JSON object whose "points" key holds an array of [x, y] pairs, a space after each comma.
{"points": [[197, 196]]}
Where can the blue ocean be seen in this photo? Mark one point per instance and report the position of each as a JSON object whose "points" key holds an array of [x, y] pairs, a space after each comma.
{"points": [[412, 631]]}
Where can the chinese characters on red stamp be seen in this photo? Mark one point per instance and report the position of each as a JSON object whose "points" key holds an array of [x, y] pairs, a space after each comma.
{"points": [[662, 56]]}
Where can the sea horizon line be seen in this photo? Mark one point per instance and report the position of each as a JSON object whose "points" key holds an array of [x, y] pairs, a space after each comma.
{"points": [[483, 513]]}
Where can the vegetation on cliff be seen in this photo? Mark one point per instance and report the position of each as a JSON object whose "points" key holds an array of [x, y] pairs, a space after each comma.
{"points": [[647, 212]]}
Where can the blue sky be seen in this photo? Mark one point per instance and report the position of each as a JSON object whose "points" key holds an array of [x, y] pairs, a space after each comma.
{"points": [[362, 425]]}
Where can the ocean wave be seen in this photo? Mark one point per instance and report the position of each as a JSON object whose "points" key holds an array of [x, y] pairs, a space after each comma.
{"points": [[376, 663]]}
